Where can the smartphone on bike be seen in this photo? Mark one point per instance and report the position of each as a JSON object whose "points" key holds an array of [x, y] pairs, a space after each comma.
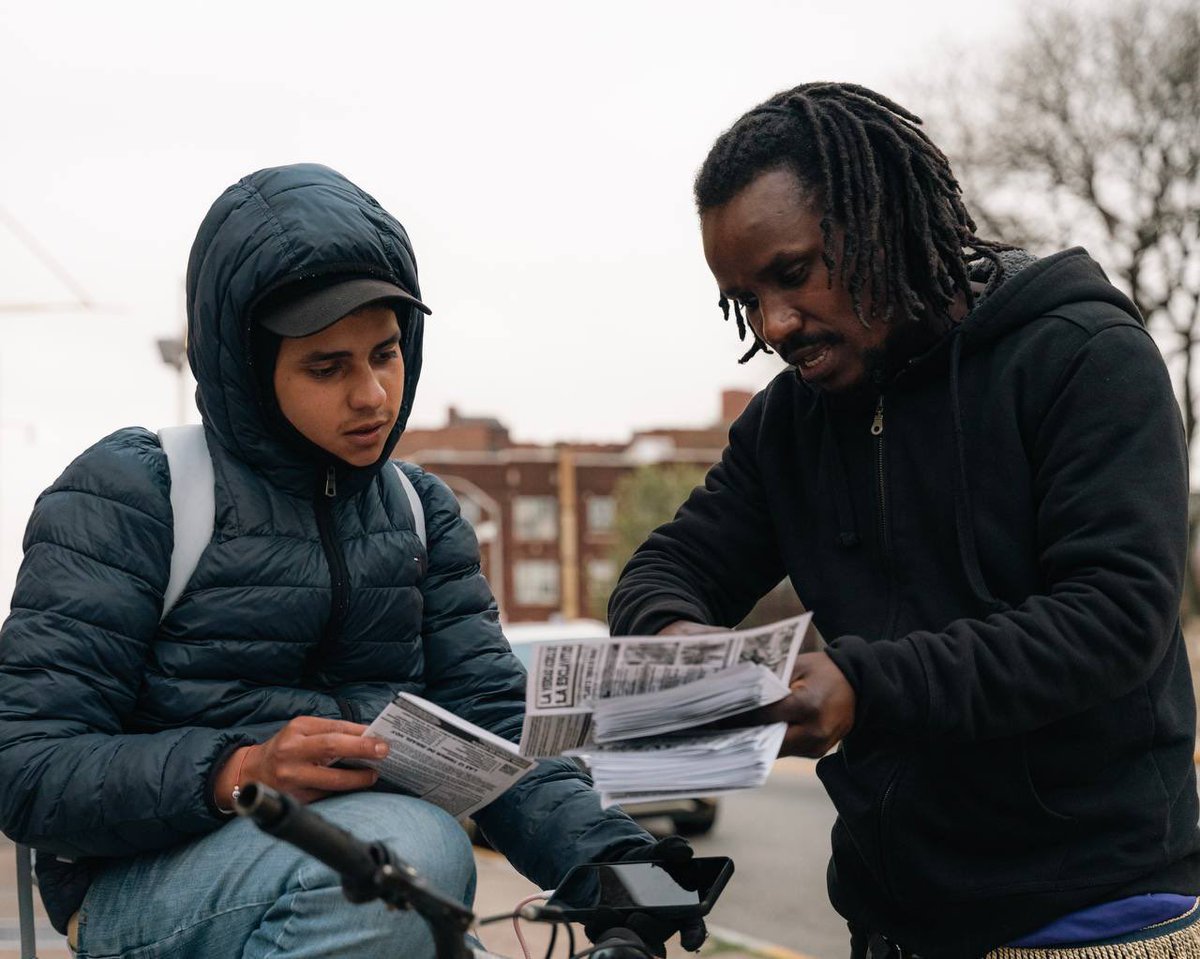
{"points": [[685, 890]]}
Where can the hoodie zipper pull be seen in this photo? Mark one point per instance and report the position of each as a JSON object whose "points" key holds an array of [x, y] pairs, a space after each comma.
{"points": [[877, 423], [330, 482]]}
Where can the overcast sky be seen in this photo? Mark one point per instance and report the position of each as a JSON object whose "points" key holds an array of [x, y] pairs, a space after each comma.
{"points": [[540, 154]]}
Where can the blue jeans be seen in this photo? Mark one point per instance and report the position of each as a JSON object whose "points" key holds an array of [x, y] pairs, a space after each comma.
{"points": [[238, 892]]}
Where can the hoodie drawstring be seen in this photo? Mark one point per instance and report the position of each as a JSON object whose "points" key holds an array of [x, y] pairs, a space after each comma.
{"points": [[835, 471], [963, 524]]}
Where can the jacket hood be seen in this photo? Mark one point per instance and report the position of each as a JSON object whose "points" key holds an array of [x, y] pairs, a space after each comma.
{"points": [[272, 228], [1039, 289], [1035, 289]]}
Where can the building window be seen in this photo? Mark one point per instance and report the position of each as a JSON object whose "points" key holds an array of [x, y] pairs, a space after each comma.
{"points": [[600, 575], [535, 518], [601, 514], [535, 582]]}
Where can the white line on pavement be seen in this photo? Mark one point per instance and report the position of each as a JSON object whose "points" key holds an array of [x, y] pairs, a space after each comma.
{"points": [[759, 947]]}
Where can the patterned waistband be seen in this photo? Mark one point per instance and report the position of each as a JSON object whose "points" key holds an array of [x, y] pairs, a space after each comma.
{"points": [[1177, 938]]}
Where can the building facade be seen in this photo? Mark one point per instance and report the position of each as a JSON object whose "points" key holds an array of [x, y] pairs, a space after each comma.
{"points": [[545, 514]]}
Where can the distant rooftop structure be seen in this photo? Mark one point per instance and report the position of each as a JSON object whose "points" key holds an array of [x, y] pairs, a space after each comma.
{"points": [[486, 434], [455, 418], [466, 433]]}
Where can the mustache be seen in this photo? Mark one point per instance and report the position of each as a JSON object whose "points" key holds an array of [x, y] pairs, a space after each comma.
{"points": [[803, 341]]}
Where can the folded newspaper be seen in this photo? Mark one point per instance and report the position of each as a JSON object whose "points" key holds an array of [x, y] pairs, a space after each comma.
{"points": [[609, 702], [695, 764], [441, 757], [706, 700]]}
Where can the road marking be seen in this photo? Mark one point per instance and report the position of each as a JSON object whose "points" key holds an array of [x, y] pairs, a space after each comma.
{"points": [[760, 947]]}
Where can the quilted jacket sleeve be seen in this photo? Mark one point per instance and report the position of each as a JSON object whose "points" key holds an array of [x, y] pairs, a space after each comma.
{"points": [[72, 652], [552, 819]]}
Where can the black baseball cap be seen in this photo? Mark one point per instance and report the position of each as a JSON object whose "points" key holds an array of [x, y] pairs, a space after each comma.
{"points": [[312, 312]]}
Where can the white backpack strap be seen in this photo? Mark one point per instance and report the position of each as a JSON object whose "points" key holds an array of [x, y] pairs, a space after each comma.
{"points": [[193, 503], [414, 504]]}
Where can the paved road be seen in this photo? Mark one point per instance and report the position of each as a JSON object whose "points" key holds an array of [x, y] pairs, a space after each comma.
{"points": [[778, 837]]}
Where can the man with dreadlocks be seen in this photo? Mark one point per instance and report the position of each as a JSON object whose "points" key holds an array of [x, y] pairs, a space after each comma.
{"points": [[973, 471]]}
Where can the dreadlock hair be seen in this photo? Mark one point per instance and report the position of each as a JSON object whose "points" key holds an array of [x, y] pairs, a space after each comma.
{"points": [[907, 237]]}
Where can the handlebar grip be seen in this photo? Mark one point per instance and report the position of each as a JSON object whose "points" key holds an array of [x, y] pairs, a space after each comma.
{"points": [[281, 815]]}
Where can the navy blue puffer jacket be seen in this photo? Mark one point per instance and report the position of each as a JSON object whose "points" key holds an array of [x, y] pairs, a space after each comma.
{"points": [[113, 724]]}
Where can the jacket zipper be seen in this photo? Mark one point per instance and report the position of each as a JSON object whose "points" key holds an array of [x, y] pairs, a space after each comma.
{"points": [[339, 579], [886, 548], [877, 432], [885, 532]]}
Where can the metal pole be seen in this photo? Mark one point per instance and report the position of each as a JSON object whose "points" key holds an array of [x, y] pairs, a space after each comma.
{"points": [[182, 368], [173, 352], [568, 533], [181, 396], [25, 902], [3, 541]]}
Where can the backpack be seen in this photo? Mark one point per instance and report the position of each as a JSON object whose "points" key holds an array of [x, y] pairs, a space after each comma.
{"points": [[193, 503]]}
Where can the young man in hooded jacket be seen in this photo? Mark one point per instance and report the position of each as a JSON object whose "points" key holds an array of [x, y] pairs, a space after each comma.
{"points": [[123, 739], [974, 473]]}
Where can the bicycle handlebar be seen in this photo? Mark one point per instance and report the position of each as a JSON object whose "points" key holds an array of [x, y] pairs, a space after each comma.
{"points": [[281, 816], [369, 871]]}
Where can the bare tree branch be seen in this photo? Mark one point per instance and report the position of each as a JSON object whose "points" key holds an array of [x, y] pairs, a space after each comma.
{"points": [[1088, 131]]}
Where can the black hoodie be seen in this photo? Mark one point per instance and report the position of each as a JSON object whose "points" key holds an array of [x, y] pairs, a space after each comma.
{"points": [[997, 544]]}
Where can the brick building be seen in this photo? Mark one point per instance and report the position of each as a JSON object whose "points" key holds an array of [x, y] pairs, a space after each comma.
{"points": [[544, 514]]}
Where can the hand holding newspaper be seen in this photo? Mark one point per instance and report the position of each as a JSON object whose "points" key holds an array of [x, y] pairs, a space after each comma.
{"points": [[610, 702], [442, 758]]}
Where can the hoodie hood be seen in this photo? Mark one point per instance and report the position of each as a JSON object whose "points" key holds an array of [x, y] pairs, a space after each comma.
{"points": [[272, 228], [1029, 289], [1036, 290]]}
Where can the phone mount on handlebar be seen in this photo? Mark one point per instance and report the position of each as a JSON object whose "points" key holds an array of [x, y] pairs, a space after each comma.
{"points": [[368, 870]]}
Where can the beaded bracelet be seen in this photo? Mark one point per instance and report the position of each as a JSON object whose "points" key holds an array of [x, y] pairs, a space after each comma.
{"points": [[237, 784]]}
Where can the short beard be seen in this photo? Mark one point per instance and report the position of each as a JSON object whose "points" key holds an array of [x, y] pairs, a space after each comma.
{"points": [[906, 340]]}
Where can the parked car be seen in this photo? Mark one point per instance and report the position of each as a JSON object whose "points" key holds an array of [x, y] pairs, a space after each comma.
{"points": [[690, 817]]}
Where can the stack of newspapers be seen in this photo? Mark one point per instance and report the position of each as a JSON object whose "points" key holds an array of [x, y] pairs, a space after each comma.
{"points": [[656, 717]]}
